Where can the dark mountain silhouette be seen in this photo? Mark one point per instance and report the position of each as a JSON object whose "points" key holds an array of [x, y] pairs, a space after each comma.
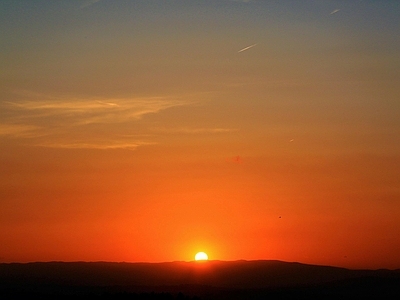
{"points": [[205, 280]]}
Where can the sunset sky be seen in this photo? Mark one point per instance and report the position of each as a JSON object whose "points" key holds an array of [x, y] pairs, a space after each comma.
{"points": [[146, 131]]}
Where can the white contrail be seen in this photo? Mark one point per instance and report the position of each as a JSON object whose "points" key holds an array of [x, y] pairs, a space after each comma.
{"points": [[334, 12], [247, 48]]}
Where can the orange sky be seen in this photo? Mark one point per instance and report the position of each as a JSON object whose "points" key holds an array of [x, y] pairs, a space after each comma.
{"points": [[137, 131]]}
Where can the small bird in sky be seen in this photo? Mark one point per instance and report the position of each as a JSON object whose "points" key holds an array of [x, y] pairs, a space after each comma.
{"points": [[334, 12], [247, 48]]}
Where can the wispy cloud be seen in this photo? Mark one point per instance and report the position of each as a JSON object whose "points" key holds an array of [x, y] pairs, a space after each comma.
{"points": [[194, 130], [80, 123], [78, 111], [18, 130], [106, 145]]}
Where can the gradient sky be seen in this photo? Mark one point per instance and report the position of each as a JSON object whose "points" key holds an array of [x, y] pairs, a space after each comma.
{"points": [[139, 131]]}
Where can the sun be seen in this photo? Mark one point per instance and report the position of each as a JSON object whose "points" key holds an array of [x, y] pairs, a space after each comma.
{"points": [[201, 256]]}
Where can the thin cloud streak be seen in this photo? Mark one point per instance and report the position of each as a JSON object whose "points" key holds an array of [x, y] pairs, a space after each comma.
{"points": [[335, 11]]}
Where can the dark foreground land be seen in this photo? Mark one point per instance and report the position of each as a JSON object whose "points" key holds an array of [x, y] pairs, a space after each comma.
{"points": [[193, 280]]}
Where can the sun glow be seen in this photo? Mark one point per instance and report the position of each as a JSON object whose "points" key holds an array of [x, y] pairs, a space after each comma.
{"points": [[201, 256]]}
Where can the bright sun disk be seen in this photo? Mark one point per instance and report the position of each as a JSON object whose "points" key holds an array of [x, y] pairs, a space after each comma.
{"points": [[201, 256]]}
